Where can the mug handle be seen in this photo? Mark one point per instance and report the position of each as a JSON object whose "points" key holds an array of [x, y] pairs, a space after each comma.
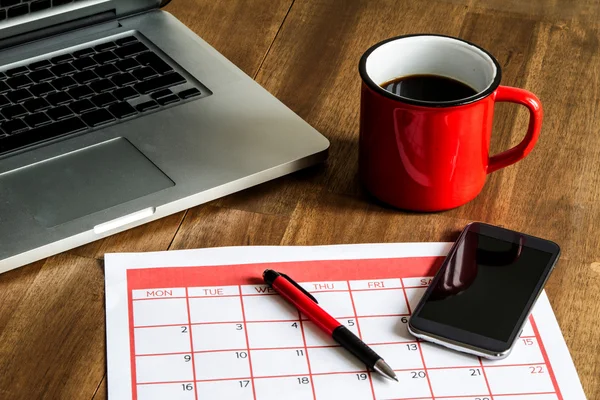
{"points": [[529, 100]]}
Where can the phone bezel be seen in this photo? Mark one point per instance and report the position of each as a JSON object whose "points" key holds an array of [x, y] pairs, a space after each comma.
{"points": [[460, 339]]}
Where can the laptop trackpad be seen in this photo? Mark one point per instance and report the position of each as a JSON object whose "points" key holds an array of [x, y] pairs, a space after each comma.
{"points": [[84, 182]]}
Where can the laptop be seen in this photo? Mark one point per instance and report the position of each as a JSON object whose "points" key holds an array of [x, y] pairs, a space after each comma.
{"points": [[114, 114]]}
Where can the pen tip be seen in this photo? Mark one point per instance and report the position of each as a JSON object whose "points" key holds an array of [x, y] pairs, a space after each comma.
{"points": [[385, 370]]}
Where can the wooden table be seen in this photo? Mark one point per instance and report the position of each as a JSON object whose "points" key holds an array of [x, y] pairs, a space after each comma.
{"points": [[305, 52]]}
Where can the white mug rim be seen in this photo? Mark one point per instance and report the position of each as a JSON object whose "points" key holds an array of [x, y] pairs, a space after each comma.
{"points": [[491, 87]]}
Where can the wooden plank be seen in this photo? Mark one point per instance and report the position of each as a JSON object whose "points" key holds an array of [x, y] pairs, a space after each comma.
{"points": [[102, 392], [53, 345], [210, 226], [328, 218], [573, 290], [13, 287]]}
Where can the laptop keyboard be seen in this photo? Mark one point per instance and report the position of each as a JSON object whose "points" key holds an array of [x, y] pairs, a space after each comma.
{"points": [[88, 88], [16, 8]]}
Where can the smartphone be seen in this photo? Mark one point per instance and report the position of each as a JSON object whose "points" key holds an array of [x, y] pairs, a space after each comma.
{"points": [[484, 291]]}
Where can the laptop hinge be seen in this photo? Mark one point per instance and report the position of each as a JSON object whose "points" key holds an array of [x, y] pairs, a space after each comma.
{"points": [[53, 30]]}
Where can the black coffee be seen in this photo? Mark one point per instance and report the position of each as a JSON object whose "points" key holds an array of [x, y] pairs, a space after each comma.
{"points": [[429, 88]]}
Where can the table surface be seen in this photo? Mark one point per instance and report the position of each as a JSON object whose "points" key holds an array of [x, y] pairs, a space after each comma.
{"points": [[305, 52]]}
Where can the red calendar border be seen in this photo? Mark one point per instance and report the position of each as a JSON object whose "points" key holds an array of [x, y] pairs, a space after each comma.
{"points": [[251, 274]]}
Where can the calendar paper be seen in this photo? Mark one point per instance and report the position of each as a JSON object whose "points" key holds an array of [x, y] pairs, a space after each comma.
{"points": [[201, 324]]}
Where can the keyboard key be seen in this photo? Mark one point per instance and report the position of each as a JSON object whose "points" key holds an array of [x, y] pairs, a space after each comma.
{"points": [[18, 82], [64, 83], [161, 93], [36, 105], [161, 82], [18, 96], [4, 87], [57, 99], [125, 93], [105, 57], [58, 113], [39, 65], [122, 110], [163, 101], [13, 127], [2, 15], [83, 53], [127, 65], [81, 106], [17, 11], [17, 71], [4, 101], [98, 117], [84, 63], [15, 111], [50, 131], [153, 60], [101, 86], [42, 75], [106, 70], [186, 94], [105, 46], [41, 89], [144, 73], [81, 92], [126, 40], [61, 59], [37, 119], [103, 100], [63, 69], [131, 50], [147, 106], [123, 79], [2, 75], [40, 5], [85, 77]]}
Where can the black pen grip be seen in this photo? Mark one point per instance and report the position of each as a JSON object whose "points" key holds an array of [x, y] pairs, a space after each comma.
{"points": [[353, 344]]}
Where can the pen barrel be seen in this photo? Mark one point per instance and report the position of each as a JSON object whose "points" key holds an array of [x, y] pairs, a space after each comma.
{"points": [[354, 345]]}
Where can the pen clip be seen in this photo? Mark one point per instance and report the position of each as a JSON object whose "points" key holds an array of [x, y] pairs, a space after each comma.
{"points": [[293, 282]]}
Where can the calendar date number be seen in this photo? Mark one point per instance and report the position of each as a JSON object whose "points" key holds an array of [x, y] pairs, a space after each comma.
{"points": [[418, 374]]}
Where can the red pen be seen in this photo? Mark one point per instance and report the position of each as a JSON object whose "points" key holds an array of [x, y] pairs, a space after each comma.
{"points": [[308, 305]]}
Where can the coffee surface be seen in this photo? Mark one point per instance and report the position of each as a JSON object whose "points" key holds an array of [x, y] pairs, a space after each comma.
{"points": [[432, 88]]}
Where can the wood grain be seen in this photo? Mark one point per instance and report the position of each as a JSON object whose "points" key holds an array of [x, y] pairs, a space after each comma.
{"points": [[56, 333], [306, 52]]}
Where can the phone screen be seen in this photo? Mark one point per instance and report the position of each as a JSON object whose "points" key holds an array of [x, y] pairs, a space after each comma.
{"points": [[485, 286]]}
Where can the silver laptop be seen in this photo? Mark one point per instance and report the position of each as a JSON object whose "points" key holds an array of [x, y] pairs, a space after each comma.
{"points": [[114, 114]]}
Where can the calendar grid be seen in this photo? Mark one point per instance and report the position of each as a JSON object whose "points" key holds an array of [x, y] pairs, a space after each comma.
{"points": [[545, 355], [312, 383], [247, 342], [211, 322], [187, 303], [360, 334], [487, 383], [418, 343]]}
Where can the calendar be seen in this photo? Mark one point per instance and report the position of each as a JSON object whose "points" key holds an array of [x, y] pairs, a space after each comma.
{"points": [[201, 324]]}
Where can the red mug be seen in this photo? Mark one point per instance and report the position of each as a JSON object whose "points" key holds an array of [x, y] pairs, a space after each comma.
{"points": [[432, 156]]}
